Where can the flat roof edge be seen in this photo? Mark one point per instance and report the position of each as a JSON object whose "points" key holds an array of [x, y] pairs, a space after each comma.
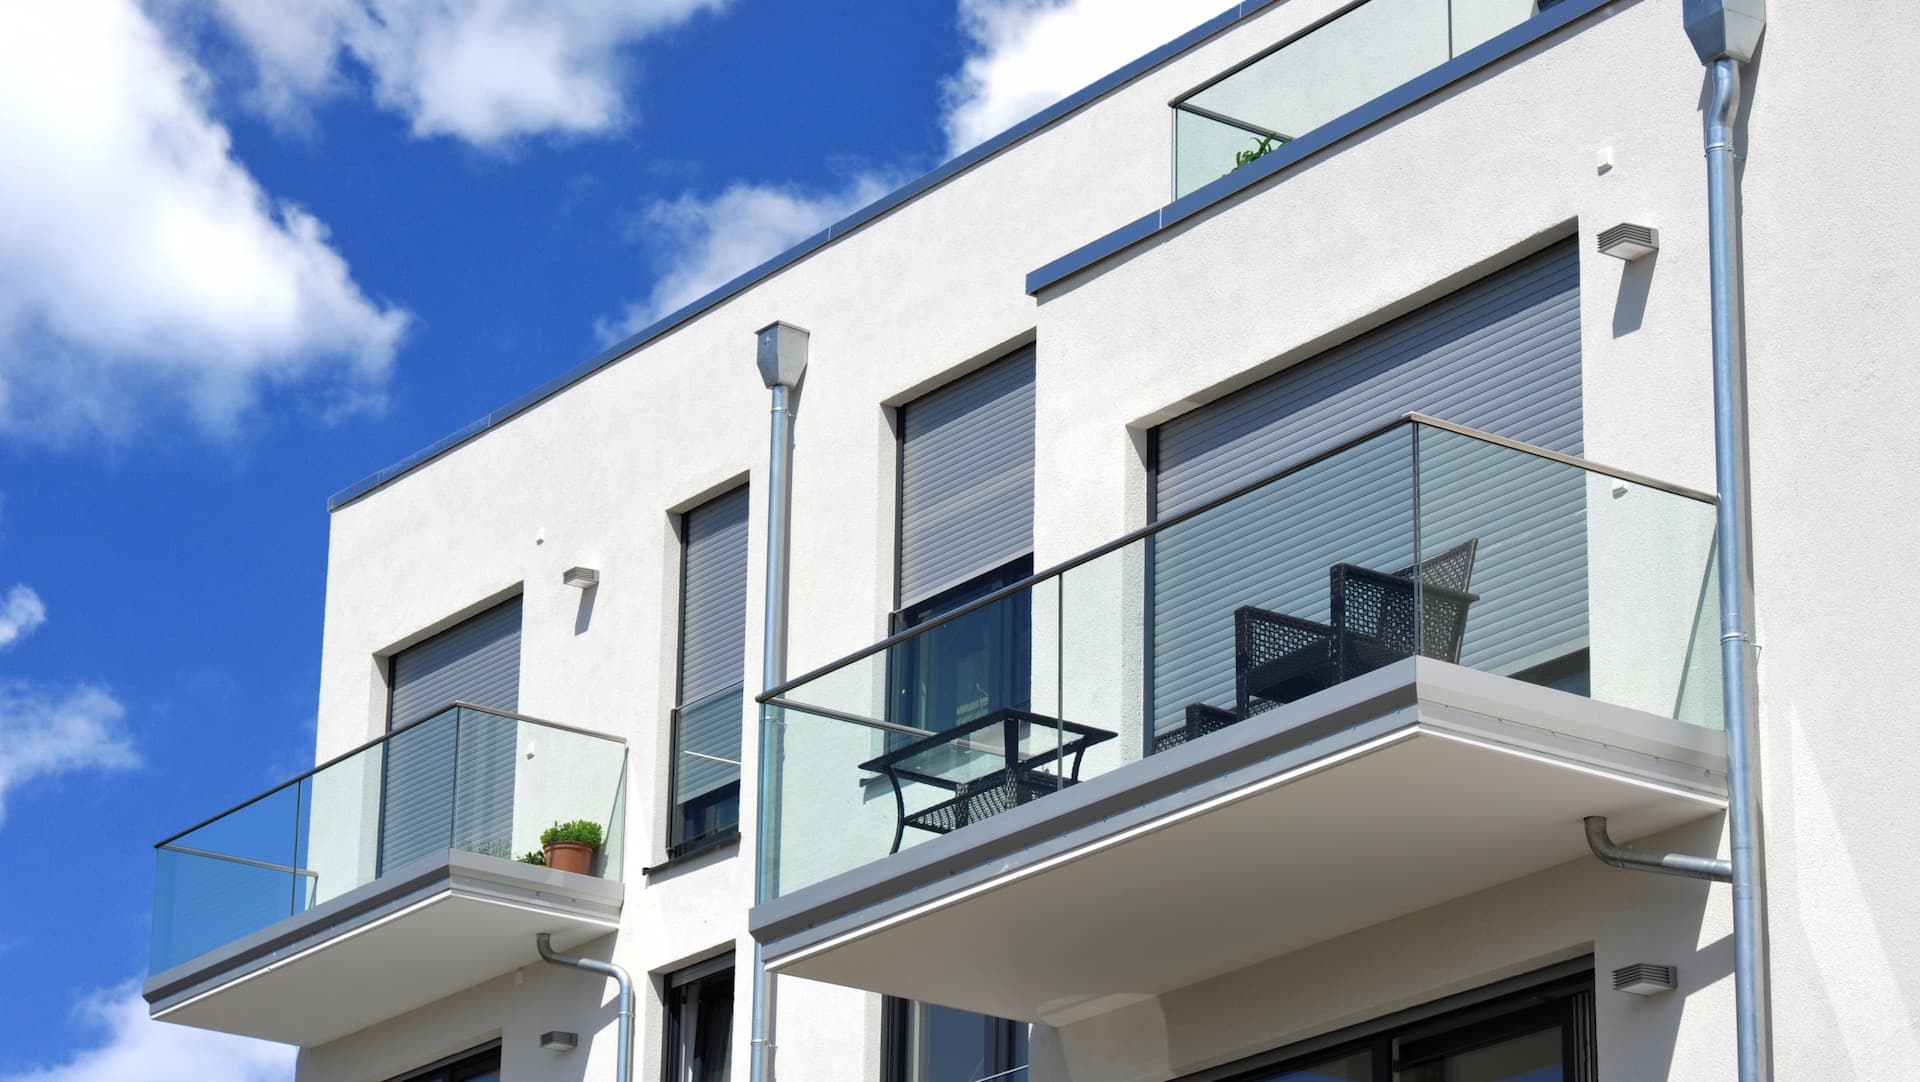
{"points": [[666, 324], [1284, 157]]}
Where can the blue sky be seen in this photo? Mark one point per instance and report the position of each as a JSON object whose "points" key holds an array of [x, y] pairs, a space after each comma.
{"points": [[253, 250]]}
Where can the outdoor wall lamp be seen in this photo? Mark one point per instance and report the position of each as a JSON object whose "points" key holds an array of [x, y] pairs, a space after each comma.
{"points": [[1629, 241]]}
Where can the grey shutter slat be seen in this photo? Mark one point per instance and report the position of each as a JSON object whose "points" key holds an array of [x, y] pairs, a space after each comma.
{"points": [[431, 801], [713, 650], [1501, 354], [713, 599], [966, 477], [476, 661], [710, 730], [483, 784], [416, 816]]}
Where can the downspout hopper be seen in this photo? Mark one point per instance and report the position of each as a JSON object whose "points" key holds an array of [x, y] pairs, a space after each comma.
{"points": [[623, 1052], [781, 353]]}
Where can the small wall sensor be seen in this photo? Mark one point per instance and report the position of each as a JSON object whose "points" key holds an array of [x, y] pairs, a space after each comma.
{"points": [[1629, 242], [559, 1040], [581, 578], [1644, 979]]}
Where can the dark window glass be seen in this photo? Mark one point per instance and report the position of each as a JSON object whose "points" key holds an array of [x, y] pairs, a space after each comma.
{"points": [[482, 1066], [970, 665], [928, 1043], [1352, 1067], [1541, 1034], [699, 1027], [1535, 1057]]}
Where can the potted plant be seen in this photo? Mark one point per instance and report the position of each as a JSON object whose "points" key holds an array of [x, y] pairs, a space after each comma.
{"points": [[569, 847], [535, 857]]}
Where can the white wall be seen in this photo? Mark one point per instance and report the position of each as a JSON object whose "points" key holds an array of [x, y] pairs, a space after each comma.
{"points": [[1449, 189]]}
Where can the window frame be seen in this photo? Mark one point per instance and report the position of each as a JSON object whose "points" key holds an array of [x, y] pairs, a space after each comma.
{"points": [[901, 1029], [683, 994], [678, 843], [1561, 995], [459, 1067]]}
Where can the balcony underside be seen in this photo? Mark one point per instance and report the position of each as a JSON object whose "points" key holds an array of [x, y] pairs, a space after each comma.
{"points": [[1405, 788], [405, 940]]}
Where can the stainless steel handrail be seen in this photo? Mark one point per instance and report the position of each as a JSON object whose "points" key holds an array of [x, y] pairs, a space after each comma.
{"points": [[381, 739], [1345, 443]]}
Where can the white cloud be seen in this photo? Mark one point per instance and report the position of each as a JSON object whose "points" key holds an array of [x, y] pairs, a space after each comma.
{"points": [[140, 263], [1025, 55], [21, 611], [706, 242], [45, 732], [481, 70], [135, 1046]]}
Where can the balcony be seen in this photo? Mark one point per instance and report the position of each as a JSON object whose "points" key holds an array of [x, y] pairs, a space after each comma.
{"points": [[1366, 51], [1228, 724], [385, 879]]}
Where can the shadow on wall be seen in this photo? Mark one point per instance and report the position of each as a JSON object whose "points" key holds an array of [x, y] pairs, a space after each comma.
{"points": [[1655, 1020], [1630, 306], [513, 1011], [583, 616]]}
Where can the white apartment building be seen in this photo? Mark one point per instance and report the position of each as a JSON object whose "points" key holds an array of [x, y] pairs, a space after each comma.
{"points": [[1244, 521]]}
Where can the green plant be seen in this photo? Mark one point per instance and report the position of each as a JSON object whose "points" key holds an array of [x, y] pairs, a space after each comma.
{"points": [[535, 857], [584, 831], [1264, 146]]}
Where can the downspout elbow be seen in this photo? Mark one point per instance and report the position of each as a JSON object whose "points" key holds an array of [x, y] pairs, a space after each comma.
{"points": [[623, 1065], [1641, 860]]}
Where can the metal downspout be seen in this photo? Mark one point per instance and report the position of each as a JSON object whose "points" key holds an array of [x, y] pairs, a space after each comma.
{"points": [[623, 1052], [1738, 653], [1726, 34], [781, 353]]}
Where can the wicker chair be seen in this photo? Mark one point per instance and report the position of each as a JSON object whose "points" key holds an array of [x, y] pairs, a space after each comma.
{"points": [[1280, 658]]}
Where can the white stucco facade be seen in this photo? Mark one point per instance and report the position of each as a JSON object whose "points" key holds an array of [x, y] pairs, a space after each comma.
{"points": [[1486, 171]]}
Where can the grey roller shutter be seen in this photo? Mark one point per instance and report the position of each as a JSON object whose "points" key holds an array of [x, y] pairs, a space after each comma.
{"points": [[1501, 354], [713, 646], [476, 661], [450, 774], [966, 478]]}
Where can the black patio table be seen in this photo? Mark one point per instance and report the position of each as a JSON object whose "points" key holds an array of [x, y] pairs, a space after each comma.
{"points": [[990, 764]]}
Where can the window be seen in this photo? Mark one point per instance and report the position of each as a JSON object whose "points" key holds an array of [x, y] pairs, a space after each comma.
{"points": [[712, 693], [970, 665], [479, 1066], [1541, 1032], [1516, 330], [966, 530], [435, 753], [925, 1043], [700, 1022]]}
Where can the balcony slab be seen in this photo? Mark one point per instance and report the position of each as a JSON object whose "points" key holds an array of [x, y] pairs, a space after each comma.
{"points": [[1411, 786], [424, 932]]}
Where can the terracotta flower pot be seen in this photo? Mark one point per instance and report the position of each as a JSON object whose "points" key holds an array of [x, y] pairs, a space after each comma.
{"points": [[570, 857]]}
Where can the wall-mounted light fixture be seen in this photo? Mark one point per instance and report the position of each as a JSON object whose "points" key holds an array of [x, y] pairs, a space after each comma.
{"points": [[1644, 979], [559, 1040], [1629, 241], [581, 578]]}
